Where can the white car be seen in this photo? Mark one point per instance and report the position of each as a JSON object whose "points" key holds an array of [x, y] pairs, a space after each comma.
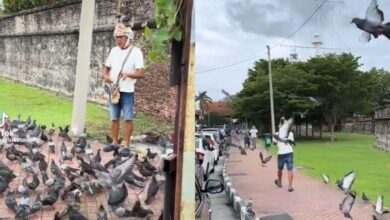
{"points": [[205, 155], [214, 144]]}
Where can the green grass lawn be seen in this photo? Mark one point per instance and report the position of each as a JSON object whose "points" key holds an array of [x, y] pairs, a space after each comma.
{"points": [[349, 152], [46, 107]]}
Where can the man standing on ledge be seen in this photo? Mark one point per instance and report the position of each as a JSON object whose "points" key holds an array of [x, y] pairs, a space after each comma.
{"points": [[133, 69]]}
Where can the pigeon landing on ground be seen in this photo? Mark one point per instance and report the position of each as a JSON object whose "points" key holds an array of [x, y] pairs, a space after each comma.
{"points": [[266, 160], [64, 134], [346, 206], [365, 198], [378, 208], [371, 24], [346, 183], [325, 178]]}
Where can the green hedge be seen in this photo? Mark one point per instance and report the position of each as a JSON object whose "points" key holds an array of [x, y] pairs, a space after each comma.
{"points": [[20, 5]]}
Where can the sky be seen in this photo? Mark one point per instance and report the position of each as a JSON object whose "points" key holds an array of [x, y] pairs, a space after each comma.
{"points": [[230, 31]]}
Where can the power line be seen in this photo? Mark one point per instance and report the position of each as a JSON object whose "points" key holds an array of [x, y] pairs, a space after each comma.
{"points": [[256, 57], [233, 64]]}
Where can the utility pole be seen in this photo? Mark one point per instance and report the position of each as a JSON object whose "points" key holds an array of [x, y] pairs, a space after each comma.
{"points": [[271, 94], [83, 69]]}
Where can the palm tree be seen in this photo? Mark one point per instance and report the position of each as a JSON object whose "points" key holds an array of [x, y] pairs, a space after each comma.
{"points": [[204, 101]]}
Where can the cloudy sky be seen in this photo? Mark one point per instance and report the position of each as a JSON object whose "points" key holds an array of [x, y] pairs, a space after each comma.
{"points": [[230, 31]]}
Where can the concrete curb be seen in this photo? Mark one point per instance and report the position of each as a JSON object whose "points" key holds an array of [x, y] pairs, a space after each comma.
{"points": [[240, 206]]}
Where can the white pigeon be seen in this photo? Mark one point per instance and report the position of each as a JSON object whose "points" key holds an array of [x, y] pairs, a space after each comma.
{"points": [[371, 24]]}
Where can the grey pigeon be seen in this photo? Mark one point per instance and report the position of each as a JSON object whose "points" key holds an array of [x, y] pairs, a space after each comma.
{"points": [[10, 201], [365, 198], [152, 190], [371, 23], [346, 183], [117, 194], [121, 212], [54, 169], [346, 206]]}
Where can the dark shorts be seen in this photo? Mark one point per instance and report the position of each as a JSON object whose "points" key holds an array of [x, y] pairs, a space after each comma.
{"points": [[126, 104], [287, 159]]}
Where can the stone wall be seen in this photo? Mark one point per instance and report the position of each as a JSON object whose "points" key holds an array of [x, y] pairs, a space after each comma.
{"points": [[382, 125], [39, 47], [359, 125]]}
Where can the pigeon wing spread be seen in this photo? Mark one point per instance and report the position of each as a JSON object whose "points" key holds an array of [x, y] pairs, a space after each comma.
{"points": [[373, 13]]}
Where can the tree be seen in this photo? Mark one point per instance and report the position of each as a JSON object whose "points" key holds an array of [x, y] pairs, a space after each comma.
{"points": [[290, 86], [204, 101], [340, 88]]}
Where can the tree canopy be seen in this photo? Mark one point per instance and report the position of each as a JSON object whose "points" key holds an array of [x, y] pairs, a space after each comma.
{"points": [[328, 88]]}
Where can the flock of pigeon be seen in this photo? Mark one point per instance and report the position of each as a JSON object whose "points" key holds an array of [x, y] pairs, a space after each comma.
{"points": [[345, 184], [60, 180]]}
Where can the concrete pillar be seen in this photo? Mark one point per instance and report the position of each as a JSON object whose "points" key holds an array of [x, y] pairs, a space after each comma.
{"points": [[83, 67]]}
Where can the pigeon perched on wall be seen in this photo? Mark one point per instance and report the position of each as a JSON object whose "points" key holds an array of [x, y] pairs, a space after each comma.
{"points": [[371, 24], [346, 206]]}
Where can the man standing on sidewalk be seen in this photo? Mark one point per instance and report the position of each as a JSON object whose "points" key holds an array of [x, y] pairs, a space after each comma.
{"points": [[285, 153], [128, 71], [253, 132]]}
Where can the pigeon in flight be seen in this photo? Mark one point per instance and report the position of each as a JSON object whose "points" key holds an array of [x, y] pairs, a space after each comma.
{"points": [[346, 183], [372, 23], [346, 206], [264, 160]]}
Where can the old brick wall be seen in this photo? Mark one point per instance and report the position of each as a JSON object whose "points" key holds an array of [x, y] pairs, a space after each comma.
{"points": [[39, 47]]}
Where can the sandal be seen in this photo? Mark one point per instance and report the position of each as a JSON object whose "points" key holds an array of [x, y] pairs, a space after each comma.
{"points": [[290, 189], [277, 183]]}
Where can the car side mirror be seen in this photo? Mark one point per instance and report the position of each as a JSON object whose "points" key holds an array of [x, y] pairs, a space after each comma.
{"points": [[213, 186]]}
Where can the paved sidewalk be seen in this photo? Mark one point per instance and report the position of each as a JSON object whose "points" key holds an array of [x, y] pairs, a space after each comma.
{"points": [[221, 209], [311, 199]]}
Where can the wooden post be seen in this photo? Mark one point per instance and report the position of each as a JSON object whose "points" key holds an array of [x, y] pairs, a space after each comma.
{"points": [[184, 193]]}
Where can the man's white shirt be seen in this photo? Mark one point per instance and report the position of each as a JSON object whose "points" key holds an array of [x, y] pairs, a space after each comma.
{"points": [[115, 60]]}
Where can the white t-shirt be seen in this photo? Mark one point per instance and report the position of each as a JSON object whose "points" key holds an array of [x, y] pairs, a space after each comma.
{"points": [[115, 60], [286, 148], [253, 132]]}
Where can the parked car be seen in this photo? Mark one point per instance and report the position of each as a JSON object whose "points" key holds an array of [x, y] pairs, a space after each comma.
{"points": [[213, 144], [205, 156], [220, 137], [202, 201]]}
